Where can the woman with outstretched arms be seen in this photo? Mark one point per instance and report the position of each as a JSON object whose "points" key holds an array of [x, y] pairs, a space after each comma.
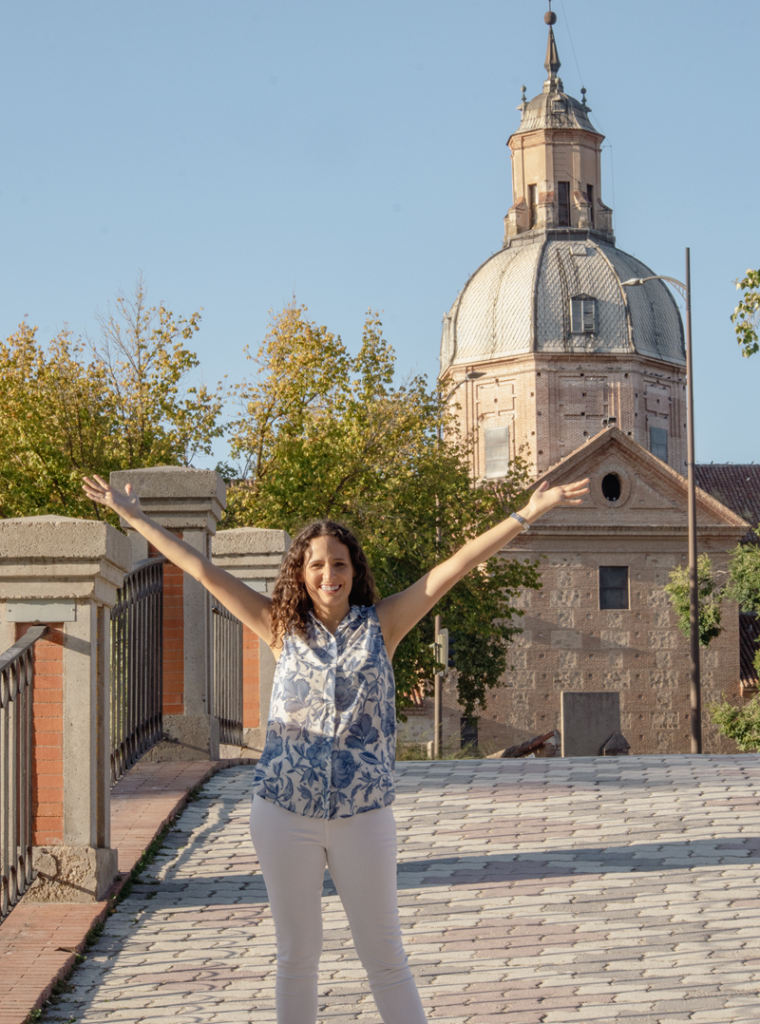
{"points": [[323, 787]]}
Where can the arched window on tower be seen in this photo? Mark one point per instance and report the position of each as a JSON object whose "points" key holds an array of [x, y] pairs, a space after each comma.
{"points": [[563, 204], [582, 314], [533, 205]]}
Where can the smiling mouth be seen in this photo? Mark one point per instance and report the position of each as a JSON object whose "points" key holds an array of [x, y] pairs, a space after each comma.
{"points": [[331, 588]]}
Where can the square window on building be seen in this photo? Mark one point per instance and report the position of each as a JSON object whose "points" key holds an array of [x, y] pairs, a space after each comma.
{"points": [[613, 586], [563, 204], [497, 451], [658, 442], [582, 314]]}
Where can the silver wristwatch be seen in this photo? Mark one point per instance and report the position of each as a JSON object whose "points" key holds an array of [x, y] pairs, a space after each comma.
{"points": [[523, 522]]}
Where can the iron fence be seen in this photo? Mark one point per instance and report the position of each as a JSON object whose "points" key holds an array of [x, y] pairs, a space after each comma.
{"points": [[16, 689], [228, 675], [137, 666]]}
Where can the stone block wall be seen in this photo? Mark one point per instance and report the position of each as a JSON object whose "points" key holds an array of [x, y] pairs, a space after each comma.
{"points": [[569, 643]]}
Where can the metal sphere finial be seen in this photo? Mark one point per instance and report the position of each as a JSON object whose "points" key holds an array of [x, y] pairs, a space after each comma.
{"points": [[550, 18]]}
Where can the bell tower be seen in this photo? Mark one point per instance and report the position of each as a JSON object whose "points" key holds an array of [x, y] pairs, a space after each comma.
{"points": [[556, 160], [548, 344]]}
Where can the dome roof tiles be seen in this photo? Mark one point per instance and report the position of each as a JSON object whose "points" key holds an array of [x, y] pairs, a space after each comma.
{"points": [[555, 109], [519, 301]]}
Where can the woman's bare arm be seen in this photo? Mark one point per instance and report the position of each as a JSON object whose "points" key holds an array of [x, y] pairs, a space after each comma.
{"points": [[400, 612], [249, 606]]}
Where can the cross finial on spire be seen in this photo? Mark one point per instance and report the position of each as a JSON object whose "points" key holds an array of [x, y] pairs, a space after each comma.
{"points": [[552, 64]]}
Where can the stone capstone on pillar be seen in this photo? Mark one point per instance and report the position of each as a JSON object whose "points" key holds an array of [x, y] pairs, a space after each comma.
{"points": [[54, 558], [190, 503], [67, 572], [177, 497]]}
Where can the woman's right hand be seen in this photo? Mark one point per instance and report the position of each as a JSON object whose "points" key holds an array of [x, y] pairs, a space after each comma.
{"points": [[124, 503]]}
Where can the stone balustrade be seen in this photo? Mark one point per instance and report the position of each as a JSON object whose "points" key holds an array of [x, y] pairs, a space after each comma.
{"points": [[66, 573]]}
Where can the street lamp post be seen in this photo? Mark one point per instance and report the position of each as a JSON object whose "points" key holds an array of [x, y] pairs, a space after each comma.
{"points": [[695, 690], [438, 677]]}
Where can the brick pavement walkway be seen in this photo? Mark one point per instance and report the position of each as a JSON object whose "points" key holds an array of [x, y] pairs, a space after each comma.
{"points": [[558, 891], [39, 941]]}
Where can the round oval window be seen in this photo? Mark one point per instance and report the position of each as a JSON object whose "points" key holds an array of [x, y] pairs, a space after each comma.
{"points": [[611, 487]]}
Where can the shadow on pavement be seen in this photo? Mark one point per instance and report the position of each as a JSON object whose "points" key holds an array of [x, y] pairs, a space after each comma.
{"points": [[468, 871], [684, 855]]}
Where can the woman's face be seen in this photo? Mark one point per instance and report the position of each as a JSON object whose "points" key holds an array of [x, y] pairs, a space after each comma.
{"points": [[328, 575]]}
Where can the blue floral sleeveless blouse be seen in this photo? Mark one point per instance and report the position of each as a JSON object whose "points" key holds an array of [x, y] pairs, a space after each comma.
{"points": [[331, 735]]}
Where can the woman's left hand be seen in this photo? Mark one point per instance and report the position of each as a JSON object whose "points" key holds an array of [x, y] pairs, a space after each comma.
{"points": [[545, 497]]}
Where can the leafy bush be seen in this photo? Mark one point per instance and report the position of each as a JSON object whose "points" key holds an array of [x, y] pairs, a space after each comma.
{"points": [[741, 724]]}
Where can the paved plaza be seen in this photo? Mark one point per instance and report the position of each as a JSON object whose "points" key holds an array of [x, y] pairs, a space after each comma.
{"points": [[558, 891]]}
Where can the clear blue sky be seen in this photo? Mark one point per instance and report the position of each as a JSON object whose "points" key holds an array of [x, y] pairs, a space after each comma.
{"points": [[353, 154]]}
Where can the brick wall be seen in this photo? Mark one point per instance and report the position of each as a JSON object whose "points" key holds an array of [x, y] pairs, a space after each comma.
{"points": [[251, 694], [554, 404], [174, 636], [47, 736]]}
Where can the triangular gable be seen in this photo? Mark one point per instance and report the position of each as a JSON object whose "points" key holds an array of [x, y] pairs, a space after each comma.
{"points": [[652, 492]]}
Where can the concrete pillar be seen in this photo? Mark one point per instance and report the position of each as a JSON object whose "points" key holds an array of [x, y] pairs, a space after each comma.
{"points": [[66, 572], [254, 556], [189, 502]]}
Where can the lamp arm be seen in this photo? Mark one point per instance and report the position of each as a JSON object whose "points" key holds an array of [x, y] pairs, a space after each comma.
{"points": [[657, 277]]}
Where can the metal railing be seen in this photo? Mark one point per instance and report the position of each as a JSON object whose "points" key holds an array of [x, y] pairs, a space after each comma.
{"points": [[228, 675], [16, 689], [137, 654]]}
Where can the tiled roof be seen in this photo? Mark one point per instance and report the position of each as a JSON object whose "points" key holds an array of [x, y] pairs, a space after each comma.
{"points": [[736, 487], [749, 635]]}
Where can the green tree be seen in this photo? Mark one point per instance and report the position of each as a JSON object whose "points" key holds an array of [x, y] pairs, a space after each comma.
{"points": [[54, 425], [158, 418], [71, 408], [744, 576], [744, 582], [746, 316], [322, 434], [740, 723], [710, 595]]}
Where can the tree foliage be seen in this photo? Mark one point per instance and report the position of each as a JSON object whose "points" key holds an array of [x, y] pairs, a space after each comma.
{"points": [[323, 434], [744, 577], [70, 408], [710, 595], [741, 724], [746, 316], [158, 419], [744, 582]]}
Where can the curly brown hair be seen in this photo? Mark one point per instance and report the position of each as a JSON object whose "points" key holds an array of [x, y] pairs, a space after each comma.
{"points": [[291, 603]]}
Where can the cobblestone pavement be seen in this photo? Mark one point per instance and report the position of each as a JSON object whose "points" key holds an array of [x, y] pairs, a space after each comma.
{"points": [[557, 891]]}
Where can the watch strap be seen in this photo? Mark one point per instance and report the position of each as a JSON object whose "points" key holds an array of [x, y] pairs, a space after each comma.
{"points": [[523, 522]]}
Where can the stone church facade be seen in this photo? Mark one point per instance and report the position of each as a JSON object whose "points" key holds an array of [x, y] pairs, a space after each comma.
{"points": [[547, 355]]}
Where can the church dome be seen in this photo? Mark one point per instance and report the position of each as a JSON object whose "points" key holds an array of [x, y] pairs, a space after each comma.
{"points": [[554, 109], [561, 295]]}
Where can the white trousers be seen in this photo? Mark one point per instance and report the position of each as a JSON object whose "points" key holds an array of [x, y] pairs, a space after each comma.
{"points": [[361, 854]]}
